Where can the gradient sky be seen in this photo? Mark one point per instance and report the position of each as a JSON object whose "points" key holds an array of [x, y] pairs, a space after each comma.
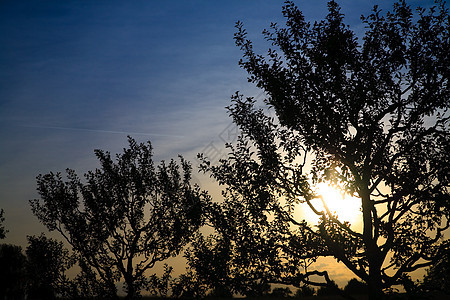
{"points": [[82, 75]]}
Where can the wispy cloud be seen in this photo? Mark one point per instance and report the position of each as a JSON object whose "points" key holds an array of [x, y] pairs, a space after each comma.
{"points": [[102, 131]]}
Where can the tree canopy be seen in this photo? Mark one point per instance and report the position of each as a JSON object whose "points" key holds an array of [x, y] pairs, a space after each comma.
{"points": [[128, 215], [368, 115]]}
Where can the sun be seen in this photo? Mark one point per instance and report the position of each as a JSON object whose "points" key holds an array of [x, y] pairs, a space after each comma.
{"points": [[347, 208], [344, 206]]}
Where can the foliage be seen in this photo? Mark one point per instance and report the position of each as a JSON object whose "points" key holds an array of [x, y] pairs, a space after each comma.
{"points": [[3, 231], [280, 292], [329, 290], [12, 272], [356, 287], [127, 216], [372, 117], [437, 277], [217, 265], [87, 285], [160, 286], [305, 291], [209, 258], [188, 285], [47, 262]]}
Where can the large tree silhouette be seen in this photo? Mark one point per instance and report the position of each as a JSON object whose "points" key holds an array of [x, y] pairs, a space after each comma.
{"points": [[372, 116], [125, 217]]}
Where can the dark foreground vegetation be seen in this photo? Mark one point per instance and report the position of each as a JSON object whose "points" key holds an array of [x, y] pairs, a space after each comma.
{"points": [[368, 115]]}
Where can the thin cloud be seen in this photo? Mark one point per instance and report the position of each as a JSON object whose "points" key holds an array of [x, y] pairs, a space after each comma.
{"points": [[102, 131]]}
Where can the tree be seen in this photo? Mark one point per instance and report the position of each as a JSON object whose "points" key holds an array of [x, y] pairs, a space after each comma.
{"points": [[127, 216], [220, 266], [12, 267], [188, 286], [355, 287], [12, 274], [47, 262], [3, 231], [304, 291], [331, 289], [209, 258], [160, 286], [280, 292], [372, 116]]}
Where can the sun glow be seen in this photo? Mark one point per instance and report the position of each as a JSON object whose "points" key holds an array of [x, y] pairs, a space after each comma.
{"points": [[344, 206]]}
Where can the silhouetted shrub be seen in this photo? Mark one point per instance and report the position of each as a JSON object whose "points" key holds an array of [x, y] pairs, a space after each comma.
{"points": [[305, 291], [356, 287], [329, 290], [280, 292]]}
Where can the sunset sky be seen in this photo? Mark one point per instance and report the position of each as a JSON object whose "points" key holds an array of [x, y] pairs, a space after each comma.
{"points": [[82, 75]]}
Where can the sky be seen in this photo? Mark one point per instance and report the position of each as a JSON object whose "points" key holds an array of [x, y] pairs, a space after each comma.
{"points": [[82, 75]]}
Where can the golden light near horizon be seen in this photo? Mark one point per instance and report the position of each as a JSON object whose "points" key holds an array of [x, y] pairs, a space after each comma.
{"points": [[344, 206]]}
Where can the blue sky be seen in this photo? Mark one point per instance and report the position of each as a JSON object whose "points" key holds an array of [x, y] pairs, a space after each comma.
{"points": [[81, 75], [77, 76]]}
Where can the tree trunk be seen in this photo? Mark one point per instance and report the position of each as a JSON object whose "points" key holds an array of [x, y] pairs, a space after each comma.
{"points": [[128, 276], [373, 253], [375, 285], [131, 289]]}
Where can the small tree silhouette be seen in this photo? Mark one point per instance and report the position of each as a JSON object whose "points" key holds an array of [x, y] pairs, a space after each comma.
{"points": [[47, 262], [126, 217], [12, 272]]}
